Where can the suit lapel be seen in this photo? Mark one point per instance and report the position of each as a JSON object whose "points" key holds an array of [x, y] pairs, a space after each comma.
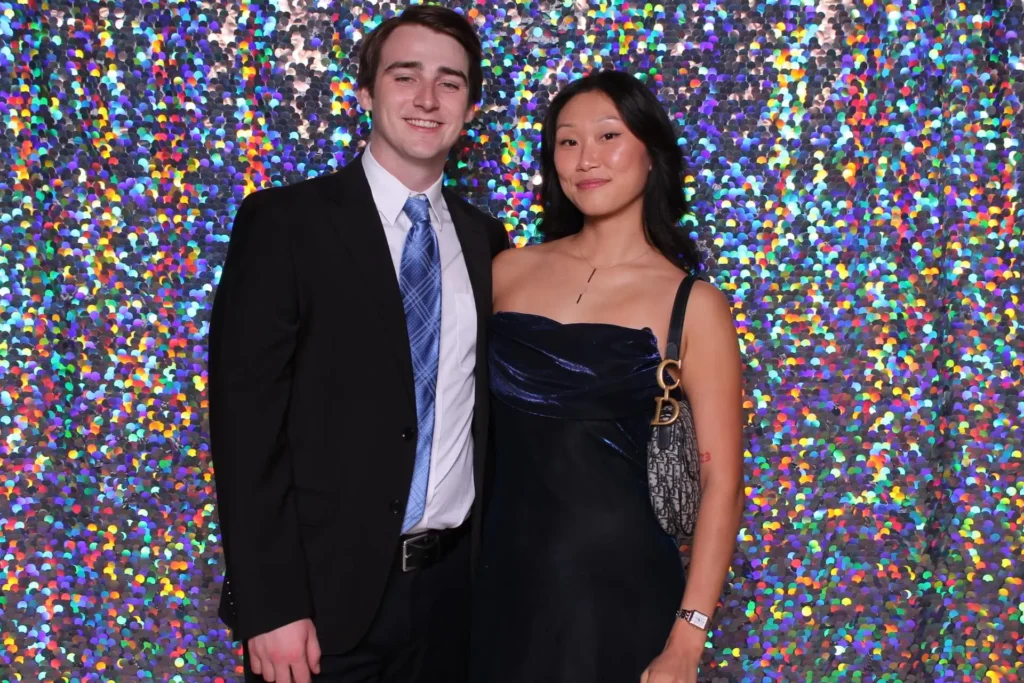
{"points": [[362, 235]]}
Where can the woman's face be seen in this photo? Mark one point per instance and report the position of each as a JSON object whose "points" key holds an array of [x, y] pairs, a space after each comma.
{"points": [[601, 165]]}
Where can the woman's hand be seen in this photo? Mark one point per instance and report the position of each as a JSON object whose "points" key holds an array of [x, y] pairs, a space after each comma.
{"points": [[672, 666], [678, 662]]}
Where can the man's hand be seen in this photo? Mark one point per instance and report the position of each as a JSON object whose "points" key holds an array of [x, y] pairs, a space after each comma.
{"points": [[287, 654]]}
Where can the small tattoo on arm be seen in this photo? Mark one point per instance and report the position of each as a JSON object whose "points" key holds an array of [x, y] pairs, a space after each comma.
{"points": [[705, 456]]}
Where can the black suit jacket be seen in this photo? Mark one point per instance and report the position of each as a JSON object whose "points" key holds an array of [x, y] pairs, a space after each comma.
{"points": [[312, 409]]}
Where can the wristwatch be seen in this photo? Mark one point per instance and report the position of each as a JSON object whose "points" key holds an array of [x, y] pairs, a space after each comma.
{"points": [[694, 618]]}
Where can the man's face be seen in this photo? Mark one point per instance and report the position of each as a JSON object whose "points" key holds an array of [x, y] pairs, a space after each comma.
{"points": [[420, 98]]}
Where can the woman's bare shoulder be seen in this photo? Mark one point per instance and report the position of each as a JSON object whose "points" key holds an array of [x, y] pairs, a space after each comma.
{"points": [[710, 308], [514, 266], [513, 261], [708, 298]]}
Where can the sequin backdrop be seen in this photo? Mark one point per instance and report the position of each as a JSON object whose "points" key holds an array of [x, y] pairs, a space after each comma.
{"points": [[855, 174]]}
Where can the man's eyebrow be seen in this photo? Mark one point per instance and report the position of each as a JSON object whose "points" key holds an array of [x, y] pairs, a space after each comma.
{"points": [[403, 65], [446, 70]]}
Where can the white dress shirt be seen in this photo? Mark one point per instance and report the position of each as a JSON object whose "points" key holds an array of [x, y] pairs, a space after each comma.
{"points": [[450, 484]]}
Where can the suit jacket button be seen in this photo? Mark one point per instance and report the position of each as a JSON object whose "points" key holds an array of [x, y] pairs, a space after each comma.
{"points": [[396, 507], [409, 433]]}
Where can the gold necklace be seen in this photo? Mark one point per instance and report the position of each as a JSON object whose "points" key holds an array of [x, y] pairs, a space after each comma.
{"points": [[594, 268]]}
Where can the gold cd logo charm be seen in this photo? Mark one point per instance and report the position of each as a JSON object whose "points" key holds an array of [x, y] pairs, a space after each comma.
{"points": [[659, 402]]}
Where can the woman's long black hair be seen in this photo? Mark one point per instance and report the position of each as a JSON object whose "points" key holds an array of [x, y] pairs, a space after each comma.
{"points": [[664, 200]]}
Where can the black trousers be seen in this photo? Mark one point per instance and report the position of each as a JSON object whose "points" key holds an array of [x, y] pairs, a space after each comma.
{"points": [[420, 633]]}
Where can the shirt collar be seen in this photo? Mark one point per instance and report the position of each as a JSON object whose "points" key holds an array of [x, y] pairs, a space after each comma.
{"points": [[390, 193]]}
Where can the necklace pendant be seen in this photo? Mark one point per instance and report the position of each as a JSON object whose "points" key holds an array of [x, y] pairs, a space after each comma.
{"points": [[587, 285]]}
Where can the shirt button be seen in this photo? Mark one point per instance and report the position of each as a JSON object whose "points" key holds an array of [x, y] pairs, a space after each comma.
{"points": [[396, 507], [409, 433]]}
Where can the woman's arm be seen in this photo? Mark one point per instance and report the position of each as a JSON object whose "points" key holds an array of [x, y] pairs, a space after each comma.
{"points": [[712, 380]]}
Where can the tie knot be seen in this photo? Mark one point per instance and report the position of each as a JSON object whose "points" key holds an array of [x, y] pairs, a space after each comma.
{"points": [[417, 208]]}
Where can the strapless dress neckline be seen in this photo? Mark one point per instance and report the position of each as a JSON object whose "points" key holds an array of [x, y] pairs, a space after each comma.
{"points": [[646, 331]]}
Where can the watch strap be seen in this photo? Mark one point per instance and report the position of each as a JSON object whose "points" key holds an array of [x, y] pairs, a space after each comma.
{"points": [[694, 618]]}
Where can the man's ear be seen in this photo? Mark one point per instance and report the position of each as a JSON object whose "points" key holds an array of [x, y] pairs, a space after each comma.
{"points": [[470, 113], [365, 99]]}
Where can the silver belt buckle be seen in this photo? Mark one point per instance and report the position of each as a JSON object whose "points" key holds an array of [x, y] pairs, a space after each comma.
{"points": [[412, 542]]}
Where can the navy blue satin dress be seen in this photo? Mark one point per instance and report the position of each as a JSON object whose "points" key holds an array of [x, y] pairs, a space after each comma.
{"points": [[577, 582]]}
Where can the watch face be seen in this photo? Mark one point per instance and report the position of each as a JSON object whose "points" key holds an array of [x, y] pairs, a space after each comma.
{"points": [[699, 620]]}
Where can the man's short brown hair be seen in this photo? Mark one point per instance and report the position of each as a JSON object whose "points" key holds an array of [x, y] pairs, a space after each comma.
{"points": [[436, 18]]}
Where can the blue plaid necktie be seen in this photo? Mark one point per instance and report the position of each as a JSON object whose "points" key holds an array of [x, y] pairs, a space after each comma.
{"points": [[419, 278]]}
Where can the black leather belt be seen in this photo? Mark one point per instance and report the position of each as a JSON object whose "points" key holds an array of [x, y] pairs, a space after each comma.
{"points": [[421, 550]]}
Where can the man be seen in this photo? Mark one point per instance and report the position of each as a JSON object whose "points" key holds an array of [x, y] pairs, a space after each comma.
{"points": [[348, 387]]}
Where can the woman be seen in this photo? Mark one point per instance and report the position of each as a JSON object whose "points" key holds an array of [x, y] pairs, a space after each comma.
{"points": [[578, 583]]}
